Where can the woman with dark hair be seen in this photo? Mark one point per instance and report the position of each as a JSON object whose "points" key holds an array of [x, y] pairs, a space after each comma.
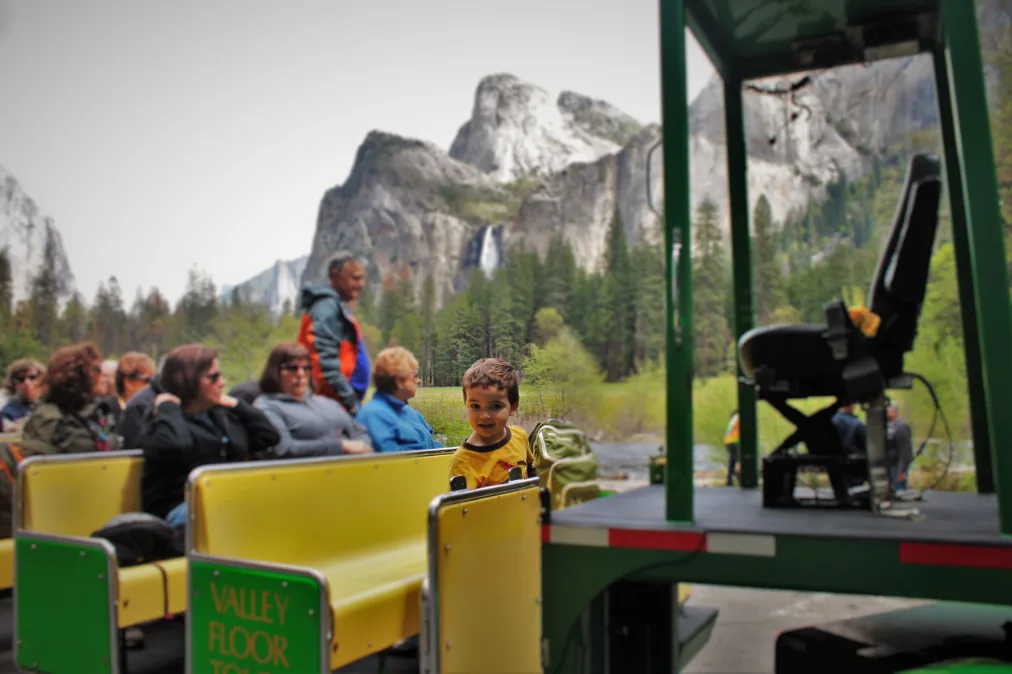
{"points": [[309, 425], [194, 424], [68, 419]]}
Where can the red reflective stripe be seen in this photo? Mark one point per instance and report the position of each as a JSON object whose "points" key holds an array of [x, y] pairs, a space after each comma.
{"points": [[546, 533], [945, 554], [644, 539]]}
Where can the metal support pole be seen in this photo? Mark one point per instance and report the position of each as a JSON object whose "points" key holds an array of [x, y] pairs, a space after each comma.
{"points": [[985, 236], [741, 255], [967, 307], [679, 468]]}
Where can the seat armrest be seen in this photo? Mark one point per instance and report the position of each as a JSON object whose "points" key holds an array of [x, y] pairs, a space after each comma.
{"points": [[838, 326]]}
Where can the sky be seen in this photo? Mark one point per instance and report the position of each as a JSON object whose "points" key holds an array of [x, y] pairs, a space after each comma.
{"points": [[169, 133]]}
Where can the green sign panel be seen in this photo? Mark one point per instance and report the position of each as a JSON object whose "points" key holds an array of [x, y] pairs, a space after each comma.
{"points": [[252, 621], [63, 598]]}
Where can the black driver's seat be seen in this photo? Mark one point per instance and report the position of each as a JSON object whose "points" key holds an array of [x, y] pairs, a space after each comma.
{"points": [[802, 361], [837, 359]]}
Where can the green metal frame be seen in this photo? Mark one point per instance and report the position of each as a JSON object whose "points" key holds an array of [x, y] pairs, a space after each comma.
{"points": [[748, 39]]}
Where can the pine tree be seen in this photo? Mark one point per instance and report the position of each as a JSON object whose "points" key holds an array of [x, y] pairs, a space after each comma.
{"points": [[108, 320], [6, 287], [427, 352], [768, 284], [74, 321], [154, 323], [648, 261], [622, 349], [44, 299], [711, 335]]}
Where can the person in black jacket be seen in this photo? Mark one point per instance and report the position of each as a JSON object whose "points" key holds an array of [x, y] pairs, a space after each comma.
{"points": [[131, 421], [193, 424]]}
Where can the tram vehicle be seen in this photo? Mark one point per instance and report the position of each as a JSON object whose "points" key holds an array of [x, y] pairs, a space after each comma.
{"points": [[594, 587]]}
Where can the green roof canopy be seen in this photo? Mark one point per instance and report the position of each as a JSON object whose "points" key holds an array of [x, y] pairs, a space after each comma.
{"points": [[747, 39]]}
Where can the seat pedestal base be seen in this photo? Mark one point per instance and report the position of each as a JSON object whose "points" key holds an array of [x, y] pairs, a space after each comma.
{"points": [[780, 474]]}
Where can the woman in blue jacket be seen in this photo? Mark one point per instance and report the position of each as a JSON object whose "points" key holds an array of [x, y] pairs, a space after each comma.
{"points": [[393, 425]]}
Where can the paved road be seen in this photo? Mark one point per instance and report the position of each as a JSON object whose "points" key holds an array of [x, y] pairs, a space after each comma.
{"points": [[742, 641]]}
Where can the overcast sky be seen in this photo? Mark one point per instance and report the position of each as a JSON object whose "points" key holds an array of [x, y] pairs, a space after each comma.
{"points": [[161, 134]]}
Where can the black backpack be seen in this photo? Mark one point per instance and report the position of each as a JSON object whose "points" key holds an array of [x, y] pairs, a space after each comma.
{"points": [[141, 538]]}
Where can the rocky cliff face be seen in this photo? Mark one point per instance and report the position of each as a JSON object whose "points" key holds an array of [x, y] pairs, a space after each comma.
{"points": [[525, 167], [273, 287], [407, 204], [798, 144], [516, 130], [25, 233]]}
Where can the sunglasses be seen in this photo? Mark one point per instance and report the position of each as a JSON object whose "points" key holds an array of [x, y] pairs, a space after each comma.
{"points": [[296, 368], [20, 379], [213, 377], [139, 377]]}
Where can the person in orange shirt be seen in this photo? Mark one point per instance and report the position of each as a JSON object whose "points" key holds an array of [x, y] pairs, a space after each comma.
{"points": [[329, 331], [491, 396], [731, 443]]}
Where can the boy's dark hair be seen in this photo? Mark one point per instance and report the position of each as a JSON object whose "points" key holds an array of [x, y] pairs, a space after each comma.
{"points": [[494, 372]]}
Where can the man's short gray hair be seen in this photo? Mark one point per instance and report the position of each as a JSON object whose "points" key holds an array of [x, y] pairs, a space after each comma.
{"points": [[337, 260]]}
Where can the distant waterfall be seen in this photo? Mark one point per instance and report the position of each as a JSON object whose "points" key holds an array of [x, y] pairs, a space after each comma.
{"points": [[489, 257]]}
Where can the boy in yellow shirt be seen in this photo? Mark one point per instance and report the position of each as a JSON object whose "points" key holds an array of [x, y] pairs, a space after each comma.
{"points": [[491, 396]]}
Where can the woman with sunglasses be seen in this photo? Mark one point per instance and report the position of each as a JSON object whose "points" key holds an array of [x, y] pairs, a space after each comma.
{"points": [[309, 425], [193, 424], [22, 384]]}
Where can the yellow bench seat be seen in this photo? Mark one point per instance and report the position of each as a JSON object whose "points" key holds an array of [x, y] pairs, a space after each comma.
{"points": [[151, 591], [175, 584], [271, 517], [6, 563], [375, 599], [141, 595]]}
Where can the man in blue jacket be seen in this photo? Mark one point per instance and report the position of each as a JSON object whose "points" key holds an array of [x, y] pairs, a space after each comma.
{"points": [[329, 331]]}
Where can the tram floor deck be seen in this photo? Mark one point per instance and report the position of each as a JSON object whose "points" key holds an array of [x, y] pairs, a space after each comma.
{"points": [[967, 518]]}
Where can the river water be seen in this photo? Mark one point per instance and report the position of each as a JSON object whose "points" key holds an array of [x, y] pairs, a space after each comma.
{"points": [[633, 458]]}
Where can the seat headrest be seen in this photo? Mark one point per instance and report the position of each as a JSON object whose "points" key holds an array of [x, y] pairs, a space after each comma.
{"points": [[901, 275]]}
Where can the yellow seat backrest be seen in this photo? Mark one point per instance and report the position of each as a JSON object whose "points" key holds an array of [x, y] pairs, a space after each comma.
{"points": [[500, 531], [76, 494], [300, 512]]}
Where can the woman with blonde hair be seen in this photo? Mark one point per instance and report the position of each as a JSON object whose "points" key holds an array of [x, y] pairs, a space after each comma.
{"points": [[393, 425]]}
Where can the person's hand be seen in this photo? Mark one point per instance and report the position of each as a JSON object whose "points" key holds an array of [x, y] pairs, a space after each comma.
{"points": [[165, 398], [228, 401], [355, 447]]}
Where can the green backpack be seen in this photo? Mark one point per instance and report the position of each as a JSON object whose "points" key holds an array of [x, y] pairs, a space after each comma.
{"points": [[565, 463]]}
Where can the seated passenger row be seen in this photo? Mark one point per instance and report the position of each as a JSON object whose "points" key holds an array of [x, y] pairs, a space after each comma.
{"points": [[181, 418]]}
